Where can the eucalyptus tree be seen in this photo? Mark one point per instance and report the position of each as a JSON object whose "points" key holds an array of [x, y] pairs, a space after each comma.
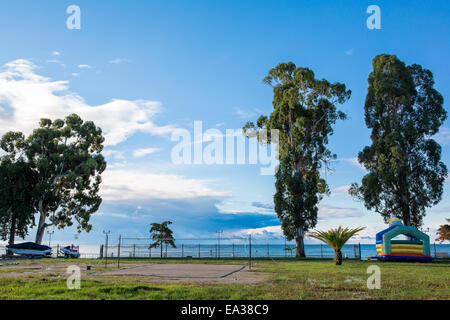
{"points": [[66, 157], [305, 110], [405, 172], [162, 234]]}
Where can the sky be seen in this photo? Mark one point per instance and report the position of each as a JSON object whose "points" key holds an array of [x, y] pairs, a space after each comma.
{"points": [[142, 70]]}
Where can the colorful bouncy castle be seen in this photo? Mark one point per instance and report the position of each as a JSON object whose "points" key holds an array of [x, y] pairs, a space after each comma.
{"points": [[415, 249]]}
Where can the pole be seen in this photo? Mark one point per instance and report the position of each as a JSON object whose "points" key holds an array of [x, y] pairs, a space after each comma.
{"points": [[118, 252], [106, 247], [199, 250], [359, 247], [182, 250], [250, 251]]}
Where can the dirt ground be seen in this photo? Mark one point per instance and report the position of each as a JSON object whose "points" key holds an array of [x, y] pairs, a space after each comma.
{"points": [[148, 272]]}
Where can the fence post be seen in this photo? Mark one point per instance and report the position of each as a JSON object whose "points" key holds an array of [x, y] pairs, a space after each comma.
{"points": [[233, 249], [250, 251], [199, 250], [435, 249], [182, 250], [101, 251], [134, 250], [359, 247], [118, 252], [57, 251], [268, 254]]}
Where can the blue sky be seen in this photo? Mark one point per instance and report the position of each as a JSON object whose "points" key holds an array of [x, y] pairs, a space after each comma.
{"points": [[148, 67]]}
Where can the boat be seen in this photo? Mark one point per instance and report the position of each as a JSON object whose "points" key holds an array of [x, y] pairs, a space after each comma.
{"points": [[70, 253], [30, 249]]}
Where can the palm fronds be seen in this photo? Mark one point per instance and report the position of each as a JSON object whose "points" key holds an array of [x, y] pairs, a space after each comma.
{"points": [[335, 238]]}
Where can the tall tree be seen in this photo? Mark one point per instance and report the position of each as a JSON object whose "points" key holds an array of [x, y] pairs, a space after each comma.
{"points": [[17, 198], [162, 234], [404, 111], [66, 156], [304, 114], [443, 232]]}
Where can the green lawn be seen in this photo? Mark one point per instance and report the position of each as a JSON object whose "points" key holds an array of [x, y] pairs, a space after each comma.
{"points": [[306, 279]]}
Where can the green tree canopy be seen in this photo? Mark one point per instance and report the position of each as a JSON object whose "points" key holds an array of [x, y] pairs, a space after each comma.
{"points": [[17, 198], [443, 232], [304, 114], [66, 156], [162, 234], [404, 111]]}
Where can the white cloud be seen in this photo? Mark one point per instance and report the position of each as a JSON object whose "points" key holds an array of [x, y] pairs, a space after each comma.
{"points": [[56, 53], [270, 232], [443, 136], [113, 154], [56, 61], [84, 66], [26, 97], [243, 114], [125, 185], [143, 152], [327, 212], [353, 162], [349, 52], [237, 207], [341, 191], [119, 60]]}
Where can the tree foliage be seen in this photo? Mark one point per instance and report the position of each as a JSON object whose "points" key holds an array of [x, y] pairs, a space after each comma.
{"points": [[304, 113], [162, 234], [66, 157], [444, 232], [404, 111], [17, 198], [336, 239]]}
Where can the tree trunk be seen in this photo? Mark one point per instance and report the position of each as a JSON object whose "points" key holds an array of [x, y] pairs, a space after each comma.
{"points": [[12, 231], [338, 257], [300, 249], [161, 244], [12, 234], [41, 225]]}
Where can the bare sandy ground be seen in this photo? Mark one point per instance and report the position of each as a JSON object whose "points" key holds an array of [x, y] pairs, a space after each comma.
{"points": [[198, 273], [147, 272]]}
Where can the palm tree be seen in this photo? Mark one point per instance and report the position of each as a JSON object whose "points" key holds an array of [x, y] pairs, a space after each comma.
{"points": [[336, 238], [161, 234]]}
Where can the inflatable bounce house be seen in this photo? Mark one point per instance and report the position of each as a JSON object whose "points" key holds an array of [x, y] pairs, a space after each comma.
{"points": [[415, 249]]}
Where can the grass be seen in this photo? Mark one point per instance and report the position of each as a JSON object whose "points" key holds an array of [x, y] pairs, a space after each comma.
{"points": [[306, 279]]}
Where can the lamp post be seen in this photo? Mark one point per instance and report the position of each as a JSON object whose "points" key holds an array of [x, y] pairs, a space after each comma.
{"points": [[50, 237], [106, 247]]}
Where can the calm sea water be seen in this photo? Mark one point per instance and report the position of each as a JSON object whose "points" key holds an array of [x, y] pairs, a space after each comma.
{"points": [[237, 250]]}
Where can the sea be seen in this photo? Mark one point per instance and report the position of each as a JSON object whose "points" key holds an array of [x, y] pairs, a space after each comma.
{"points": [[234, 250]]}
